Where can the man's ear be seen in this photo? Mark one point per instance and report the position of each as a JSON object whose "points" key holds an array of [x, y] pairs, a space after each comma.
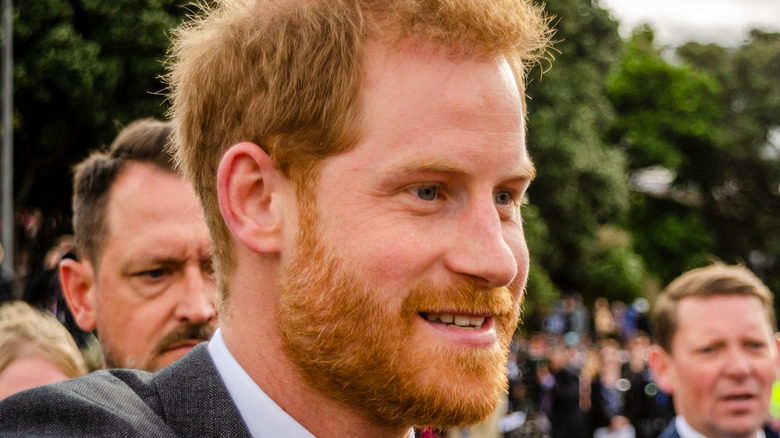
{"points": [[660, 363], [249, 187], [78, 286], [776, 338]]}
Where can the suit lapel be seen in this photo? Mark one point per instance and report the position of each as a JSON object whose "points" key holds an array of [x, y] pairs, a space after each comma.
{"points": [[194, 399]]}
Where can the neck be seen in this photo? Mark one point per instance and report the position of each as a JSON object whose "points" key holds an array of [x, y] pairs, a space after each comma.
{"points": [[251, 333]]}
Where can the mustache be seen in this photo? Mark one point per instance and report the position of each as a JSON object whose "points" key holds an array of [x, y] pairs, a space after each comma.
{"points": [[185, 332], [466, 297]]}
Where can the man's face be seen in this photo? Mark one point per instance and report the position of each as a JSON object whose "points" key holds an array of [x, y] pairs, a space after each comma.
{"points": [[723, 364], [403, 291], [154, 291]]}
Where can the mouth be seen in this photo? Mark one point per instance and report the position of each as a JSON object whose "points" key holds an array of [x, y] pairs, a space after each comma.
{"points": [[458, 321], [740, 402], [188, 344], [464, 329]]}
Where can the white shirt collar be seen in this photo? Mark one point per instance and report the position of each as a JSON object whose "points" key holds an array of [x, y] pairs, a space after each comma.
{"points": [[685, 430], [262, 416]]}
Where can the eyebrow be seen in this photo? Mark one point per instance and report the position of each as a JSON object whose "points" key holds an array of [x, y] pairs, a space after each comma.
{"points": [[526, 171]]}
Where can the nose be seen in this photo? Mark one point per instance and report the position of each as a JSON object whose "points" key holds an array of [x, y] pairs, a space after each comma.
{"points": [[737, 365], [196, 300], [485, 249]]}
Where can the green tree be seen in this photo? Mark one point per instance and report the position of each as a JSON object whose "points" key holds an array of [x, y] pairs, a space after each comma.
{"points": [[581, 186], [709, 121], [82, 69], [666, 121], [743, 195]]}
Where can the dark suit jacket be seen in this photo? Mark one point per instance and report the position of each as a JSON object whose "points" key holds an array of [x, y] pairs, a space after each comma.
{"points": [[185, 399], [670, 431]]}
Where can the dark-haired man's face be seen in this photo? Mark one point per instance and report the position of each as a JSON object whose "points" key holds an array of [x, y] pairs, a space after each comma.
{"points": [[152, 298], [403, 291]]}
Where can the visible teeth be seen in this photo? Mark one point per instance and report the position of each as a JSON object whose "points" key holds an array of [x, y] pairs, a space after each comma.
{"points": [[457, 321], [462, 327], [463, 321]]}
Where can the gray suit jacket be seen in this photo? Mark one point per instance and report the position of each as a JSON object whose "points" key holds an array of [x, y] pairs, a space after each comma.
{"points": [[185, 399]]}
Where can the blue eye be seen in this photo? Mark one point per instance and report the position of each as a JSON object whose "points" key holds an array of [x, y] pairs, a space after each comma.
{"points": [[503, 198], [427, 193]]}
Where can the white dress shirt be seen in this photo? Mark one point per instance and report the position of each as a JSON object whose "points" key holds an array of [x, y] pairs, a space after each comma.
{"points": [[686, 431], [262, 416]]}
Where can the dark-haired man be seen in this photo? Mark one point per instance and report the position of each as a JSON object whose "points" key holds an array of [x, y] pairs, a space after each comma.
{"points": [[143, 277]]}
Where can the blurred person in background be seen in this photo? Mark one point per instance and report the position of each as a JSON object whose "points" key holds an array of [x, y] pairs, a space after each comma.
{"points": [[648, 409], [35, 349], [607, 413], [7, 282], [143, 275], [566, 417], [603, 320], [717, 352]]}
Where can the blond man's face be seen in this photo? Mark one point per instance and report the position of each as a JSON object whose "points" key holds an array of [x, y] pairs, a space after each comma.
{"points": [[723, 364]]}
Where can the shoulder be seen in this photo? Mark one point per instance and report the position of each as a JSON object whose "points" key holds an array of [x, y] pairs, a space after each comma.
{"points": [[104, 403], [187, 398], [670, 431]]}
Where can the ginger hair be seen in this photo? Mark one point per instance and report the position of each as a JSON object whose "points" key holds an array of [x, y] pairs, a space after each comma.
{"points": [[286, 75]]}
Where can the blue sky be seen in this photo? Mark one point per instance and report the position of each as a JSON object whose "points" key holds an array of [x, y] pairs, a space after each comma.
{"points": [[724, 22]]}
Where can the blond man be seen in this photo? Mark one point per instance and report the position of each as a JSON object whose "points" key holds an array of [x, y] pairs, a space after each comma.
{"points": [[716, 352]]}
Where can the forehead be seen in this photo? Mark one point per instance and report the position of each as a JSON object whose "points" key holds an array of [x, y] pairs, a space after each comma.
{"points": [[146, 203], [409, 78], [719, 316], [423, 99], [148, 193]]}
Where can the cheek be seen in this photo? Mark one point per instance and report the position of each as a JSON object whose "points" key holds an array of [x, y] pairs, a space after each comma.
{"points": [[389, 257], [697, 381], [520, 251], [769, 371], [515, 239]]}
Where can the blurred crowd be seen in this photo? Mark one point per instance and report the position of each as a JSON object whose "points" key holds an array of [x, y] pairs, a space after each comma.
{"points": [[586, 374], [583, 374]]}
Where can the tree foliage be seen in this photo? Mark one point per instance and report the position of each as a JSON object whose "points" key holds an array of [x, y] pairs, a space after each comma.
{"points": [[581, 185], [82, 68], [710, 119]]}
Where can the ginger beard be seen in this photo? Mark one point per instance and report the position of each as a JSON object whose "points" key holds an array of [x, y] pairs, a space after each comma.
{"points": [[356, 344]]}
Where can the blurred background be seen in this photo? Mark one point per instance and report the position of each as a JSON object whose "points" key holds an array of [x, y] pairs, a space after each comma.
{"points": [[655, 132]]}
